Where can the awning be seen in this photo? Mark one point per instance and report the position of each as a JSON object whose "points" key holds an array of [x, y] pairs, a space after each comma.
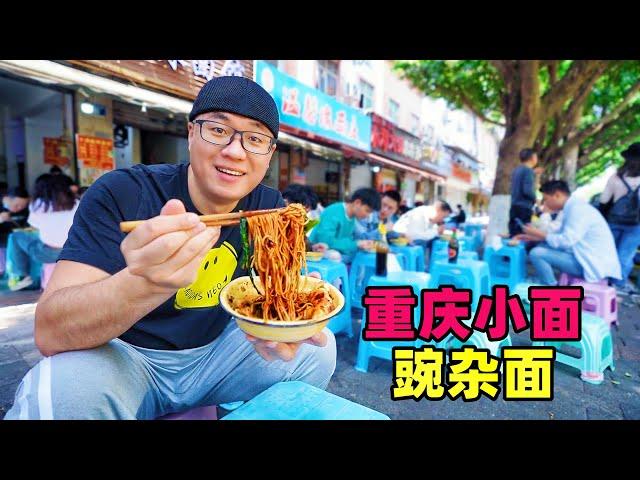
{"points": [[458, 184], [407, 168], [315, 148], [51, 72]]}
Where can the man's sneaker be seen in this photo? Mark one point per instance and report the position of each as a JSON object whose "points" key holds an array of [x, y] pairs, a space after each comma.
{"points": [[16, 284]]}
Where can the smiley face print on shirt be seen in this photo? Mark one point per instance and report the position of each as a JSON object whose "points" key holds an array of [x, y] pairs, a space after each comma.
{"points": [[215, 272]]}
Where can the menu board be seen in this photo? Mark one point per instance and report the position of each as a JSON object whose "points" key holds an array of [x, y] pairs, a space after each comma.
{"points": [[95, 157]]}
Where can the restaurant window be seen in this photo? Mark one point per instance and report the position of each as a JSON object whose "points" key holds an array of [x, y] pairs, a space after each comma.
{"points": [[393, 110], [328, 77], [366, 91]]}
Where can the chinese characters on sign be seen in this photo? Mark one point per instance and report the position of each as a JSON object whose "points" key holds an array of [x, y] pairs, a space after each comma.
{"points": [[95, 157], [313, 111], [526, 372], [206, 68], [390, 140]]}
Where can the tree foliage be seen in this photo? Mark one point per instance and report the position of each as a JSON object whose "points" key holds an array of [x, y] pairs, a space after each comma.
{"points": [[586, 109]]}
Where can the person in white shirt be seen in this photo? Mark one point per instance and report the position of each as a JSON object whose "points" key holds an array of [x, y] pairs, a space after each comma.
{"points": [[422, 225], [583, 247], [51, 212], [424, 222]]}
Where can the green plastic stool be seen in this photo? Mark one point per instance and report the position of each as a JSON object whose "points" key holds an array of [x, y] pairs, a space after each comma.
{"points": [[478, 339], [596, 347]]}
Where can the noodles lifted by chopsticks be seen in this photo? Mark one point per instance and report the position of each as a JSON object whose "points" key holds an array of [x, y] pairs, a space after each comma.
{"points": [[279, 256]]}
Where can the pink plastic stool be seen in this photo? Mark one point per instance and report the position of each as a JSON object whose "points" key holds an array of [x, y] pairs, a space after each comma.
{"points": [[197, 413], [47, 270], [601, 300]]}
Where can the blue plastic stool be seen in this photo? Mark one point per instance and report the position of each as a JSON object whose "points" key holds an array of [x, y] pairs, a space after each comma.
{"points": [[414, 257], [362, 267], [330, 272], [475, 242], [440, 245], [402, 259], [507, 265], [473, 274], [383, 348], [596, 347], [522, 290], [473, 233], [444, 256], [301, 401], [473, 229]]}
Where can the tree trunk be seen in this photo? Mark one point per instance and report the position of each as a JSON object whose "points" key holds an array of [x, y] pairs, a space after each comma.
{"points": [[499, 206], [569, 166], [508, 160]]}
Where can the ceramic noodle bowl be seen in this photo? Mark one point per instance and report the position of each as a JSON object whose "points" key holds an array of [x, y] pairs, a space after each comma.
{"points": [[242, 289]]}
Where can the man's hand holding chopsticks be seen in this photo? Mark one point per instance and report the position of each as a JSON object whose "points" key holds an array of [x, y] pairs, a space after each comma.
{"points": [[167, 250]]}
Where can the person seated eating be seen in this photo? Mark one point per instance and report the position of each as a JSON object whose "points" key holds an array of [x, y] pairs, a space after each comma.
{"points": [[582, 247]]}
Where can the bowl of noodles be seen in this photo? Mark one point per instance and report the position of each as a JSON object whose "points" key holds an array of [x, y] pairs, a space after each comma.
{"points": [[280, 303], [315, 304]]}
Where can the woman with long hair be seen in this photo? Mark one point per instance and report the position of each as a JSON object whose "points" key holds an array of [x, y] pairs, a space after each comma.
{"points": [[620, 204], [51, 212]]}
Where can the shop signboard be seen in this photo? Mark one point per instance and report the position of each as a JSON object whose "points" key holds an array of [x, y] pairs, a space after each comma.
{"points": [[182, 78], [57, 151], [391, 141], [460, 172], [312, 111]]}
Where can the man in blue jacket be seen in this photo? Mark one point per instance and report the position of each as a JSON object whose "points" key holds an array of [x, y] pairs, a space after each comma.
{"points": [[523, 191]]}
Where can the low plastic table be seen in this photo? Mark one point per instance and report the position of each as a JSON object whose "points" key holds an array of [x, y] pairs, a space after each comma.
{"points": [[301, 401]]}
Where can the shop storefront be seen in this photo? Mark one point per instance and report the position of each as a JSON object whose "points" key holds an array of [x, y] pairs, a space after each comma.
{"points": [[36, 132], [397, 158], [121, 112], [319, 136]]}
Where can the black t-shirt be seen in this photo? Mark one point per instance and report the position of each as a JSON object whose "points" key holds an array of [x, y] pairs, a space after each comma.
{"points": [[193, 316]]}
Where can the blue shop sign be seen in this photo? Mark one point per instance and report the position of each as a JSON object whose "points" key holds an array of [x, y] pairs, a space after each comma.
{"points": [[308, 109]]}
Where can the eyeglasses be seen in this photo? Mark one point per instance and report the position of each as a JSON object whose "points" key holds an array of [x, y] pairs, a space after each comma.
{"points": [[220, 134]]}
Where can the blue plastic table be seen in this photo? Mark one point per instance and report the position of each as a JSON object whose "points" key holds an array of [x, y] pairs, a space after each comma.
{"points": [[301, 401]]}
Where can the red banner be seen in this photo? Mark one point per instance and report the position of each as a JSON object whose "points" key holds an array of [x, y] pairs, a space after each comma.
{"points": [[461, 172], [56, 151]]}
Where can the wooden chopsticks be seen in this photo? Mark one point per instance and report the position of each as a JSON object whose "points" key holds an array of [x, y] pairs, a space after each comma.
{"points": [[216, 220]]}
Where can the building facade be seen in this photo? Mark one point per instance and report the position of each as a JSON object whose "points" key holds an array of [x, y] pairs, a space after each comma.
{"points": [[92, 116]]}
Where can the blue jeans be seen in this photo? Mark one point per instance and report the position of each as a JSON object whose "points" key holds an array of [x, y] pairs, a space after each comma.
{"points": [[24, 248], [627, 239], [122, 381], [545, 259]]}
